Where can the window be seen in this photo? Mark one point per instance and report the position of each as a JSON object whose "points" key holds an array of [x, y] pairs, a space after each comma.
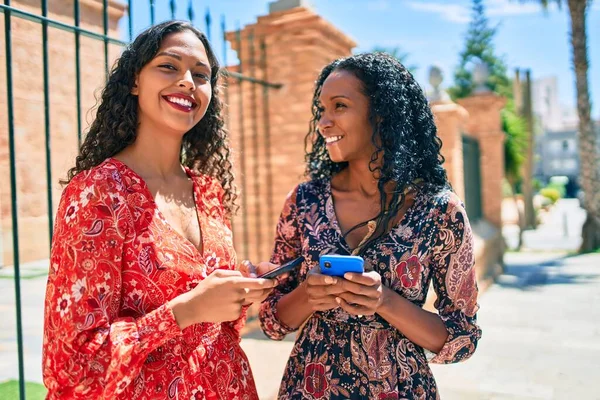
{"points": [[555, 146], [569, 164]]}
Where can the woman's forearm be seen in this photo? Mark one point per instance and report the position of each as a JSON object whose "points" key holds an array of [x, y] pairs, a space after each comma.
{"points": [[422, 327], [293, 308]]}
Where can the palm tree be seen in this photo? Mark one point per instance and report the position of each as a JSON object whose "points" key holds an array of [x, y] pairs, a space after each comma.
{"points": [[589, 174]]}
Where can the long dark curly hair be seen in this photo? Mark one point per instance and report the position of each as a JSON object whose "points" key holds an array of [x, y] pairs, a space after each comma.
{"points": [[407, 148], [204, 148]]}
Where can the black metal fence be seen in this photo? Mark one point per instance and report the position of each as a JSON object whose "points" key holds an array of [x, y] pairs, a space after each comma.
{"points": [[260, 87], [472, 175]]}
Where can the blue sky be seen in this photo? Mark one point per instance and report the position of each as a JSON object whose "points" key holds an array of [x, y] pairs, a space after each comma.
{"points": [[430, 31]]}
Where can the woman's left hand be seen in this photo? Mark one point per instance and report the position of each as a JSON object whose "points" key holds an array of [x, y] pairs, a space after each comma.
{"points": [[363, 293], [250, 270]]}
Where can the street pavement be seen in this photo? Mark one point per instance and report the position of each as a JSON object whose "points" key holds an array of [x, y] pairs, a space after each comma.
{"points": [[540, 321], [559, 229]]}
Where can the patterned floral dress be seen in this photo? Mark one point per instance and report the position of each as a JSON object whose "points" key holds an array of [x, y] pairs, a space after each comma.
{"points": [[341, 356], [115, 263]]}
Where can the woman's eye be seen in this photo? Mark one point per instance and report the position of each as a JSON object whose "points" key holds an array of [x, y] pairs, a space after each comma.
{"points": [[340, 105], [202, 76], [168, 66]]}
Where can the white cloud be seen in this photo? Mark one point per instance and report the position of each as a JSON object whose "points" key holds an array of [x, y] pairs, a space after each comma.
{"points": [[450, 12], [462, 13]]}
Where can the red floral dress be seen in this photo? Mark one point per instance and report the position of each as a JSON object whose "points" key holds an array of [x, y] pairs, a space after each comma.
{"points": [[342, 356], [115, 263]]}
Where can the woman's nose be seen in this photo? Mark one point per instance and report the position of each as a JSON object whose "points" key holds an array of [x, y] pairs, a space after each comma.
{"points": [[324, 123], [187, 81]]}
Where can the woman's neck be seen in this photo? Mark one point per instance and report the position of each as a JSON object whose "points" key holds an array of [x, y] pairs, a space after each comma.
{"points": [[358, 177], [154, 155]]}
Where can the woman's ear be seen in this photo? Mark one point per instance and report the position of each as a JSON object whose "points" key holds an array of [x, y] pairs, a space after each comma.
{"points": [[134, 89]]}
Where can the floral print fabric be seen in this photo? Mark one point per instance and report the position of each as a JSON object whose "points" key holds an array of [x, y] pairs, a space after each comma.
{"points": [[115, 263], [338, 355]]}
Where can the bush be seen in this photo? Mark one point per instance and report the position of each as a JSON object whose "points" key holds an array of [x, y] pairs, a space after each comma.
{"points": [[560, 188], [551, 193]]}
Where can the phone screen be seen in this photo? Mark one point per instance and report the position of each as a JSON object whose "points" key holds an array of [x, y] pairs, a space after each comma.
{"points": [[282, 269]]}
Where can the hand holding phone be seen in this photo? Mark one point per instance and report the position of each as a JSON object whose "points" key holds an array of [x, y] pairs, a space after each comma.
{"points": [[338, 265], [282, 269]]}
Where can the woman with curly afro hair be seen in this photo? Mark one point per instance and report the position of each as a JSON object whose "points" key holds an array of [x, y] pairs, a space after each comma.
{"points": [[377, 189], [144, 299]]}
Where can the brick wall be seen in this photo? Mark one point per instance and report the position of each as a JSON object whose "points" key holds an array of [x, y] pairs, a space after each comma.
{"points": [[450, 120], [28, 97], [485, 124], [299, 43]]}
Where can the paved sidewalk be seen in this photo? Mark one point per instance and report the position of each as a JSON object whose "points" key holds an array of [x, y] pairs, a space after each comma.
{"points": [[560, 229], [541, 334]]}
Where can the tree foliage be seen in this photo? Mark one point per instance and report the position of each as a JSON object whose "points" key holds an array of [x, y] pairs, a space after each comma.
{"points": [[479, 47]]}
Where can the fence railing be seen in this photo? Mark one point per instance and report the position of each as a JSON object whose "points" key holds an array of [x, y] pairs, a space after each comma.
{"points": [[13, 10]]}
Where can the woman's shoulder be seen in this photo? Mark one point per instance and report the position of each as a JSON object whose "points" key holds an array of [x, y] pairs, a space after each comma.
{"points": [[313, 186], [443, 201], [104, 177], [304, 192], [207, 184]]}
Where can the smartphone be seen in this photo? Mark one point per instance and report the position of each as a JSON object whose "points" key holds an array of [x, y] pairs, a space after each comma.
{"points": [[337, 265], [282, 269]]}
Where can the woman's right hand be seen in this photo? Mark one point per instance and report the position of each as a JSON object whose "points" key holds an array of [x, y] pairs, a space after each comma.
{"points": [[322, 290], [218, 298]]}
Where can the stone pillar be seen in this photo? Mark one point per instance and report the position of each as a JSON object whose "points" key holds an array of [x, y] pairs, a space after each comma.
{"points": [[28, 96], [450, 119], [485, 124], [298, 44]]}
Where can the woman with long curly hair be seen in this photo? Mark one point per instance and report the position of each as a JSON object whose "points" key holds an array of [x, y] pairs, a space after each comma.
{"points": [[144, 299], [377, 189]]}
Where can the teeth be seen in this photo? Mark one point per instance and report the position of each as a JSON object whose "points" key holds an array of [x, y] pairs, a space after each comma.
{"points": [[333, 139], [180, 101]]}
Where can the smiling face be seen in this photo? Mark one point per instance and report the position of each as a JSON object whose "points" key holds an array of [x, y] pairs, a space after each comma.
{"points": [[174, 88], [344, 118]]}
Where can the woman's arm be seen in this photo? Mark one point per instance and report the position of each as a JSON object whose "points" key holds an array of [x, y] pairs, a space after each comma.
{"points": [[365, 295], [292, 302], [422, 327], [90, 352], [453, 334], [287, 247]]}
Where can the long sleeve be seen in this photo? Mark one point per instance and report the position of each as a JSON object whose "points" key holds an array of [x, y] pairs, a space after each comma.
{"points": [[454, 283], [288, 246], [89, 351]]}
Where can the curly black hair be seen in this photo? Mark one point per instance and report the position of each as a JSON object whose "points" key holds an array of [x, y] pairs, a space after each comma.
{"points": [[404, 133], [204, 148]]}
